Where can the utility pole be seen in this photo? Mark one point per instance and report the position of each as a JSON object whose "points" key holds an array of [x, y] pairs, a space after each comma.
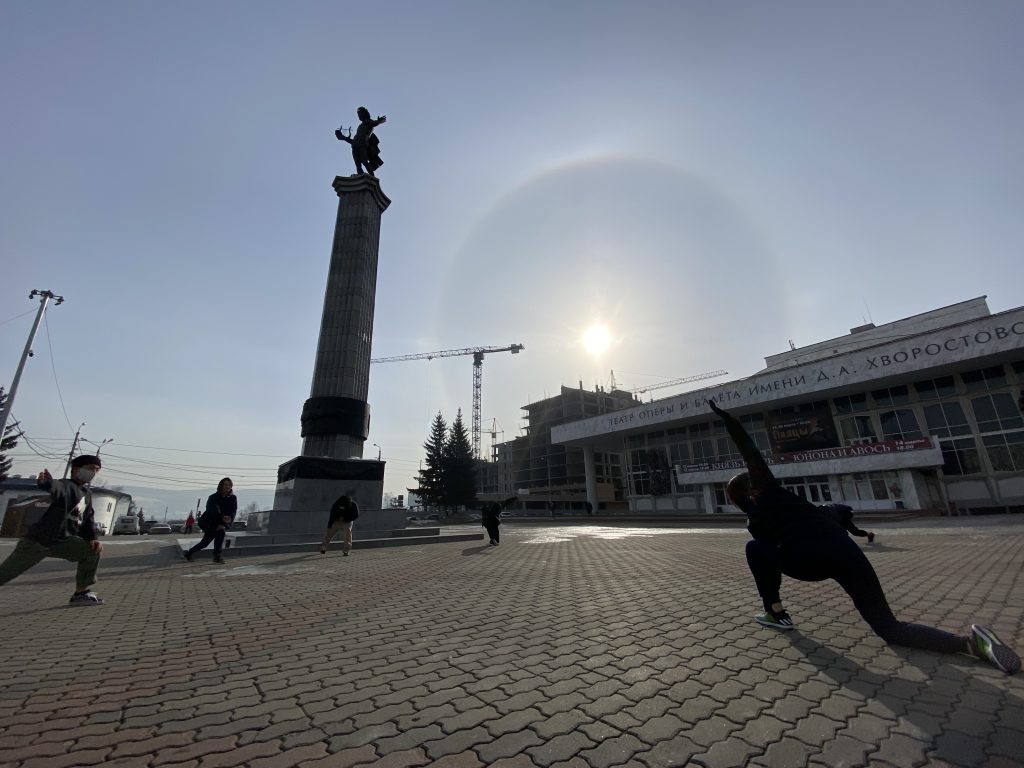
{"points": [[44, 299], [71, 455]]}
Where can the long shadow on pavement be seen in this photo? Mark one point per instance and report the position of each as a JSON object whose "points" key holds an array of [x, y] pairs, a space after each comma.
{"points": [[956, 711]]}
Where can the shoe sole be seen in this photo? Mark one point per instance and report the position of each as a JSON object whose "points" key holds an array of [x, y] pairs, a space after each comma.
{"points": [[773, 625], [1002, 656]]}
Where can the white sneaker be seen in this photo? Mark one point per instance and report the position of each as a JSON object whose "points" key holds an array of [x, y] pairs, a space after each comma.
{"points": [[85, 598]]}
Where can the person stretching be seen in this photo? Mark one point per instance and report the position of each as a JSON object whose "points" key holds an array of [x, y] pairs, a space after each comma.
{"points": [[791, 536]]}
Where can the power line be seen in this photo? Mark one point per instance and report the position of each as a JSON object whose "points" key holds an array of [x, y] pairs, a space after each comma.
{"points": [[12, 319], [53, 366]]}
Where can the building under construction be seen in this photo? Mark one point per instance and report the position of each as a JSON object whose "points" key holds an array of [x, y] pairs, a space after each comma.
{"points": [[553, 477]]}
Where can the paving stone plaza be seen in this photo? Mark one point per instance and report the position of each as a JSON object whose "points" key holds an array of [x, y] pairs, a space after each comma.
{"points": [[565, 646]]}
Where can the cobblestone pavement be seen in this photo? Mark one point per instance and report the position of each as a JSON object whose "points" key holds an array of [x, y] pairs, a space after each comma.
{"points": [[574, 647]]}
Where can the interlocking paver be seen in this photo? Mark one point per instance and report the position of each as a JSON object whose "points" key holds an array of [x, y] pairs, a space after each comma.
{"points": [[322, 663]]}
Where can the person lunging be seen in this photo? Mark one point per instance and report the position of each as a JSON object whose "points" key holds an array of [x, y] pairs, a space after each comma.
{"points": [[791, 536], [221, 508], [66, 530]]}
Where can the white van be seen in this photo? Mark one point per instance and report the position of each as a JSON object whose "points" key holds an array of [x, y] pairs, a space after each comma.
{"points": [[126, 526]]}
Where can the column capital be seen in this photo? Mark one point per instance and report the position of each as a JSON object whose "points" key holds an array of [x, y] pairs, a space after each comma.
{"points": [[362, 182]]}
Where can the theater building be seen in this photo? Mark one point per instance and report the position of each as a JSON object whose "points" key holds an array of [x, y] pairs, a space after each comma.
{"points": [[921, 413]]}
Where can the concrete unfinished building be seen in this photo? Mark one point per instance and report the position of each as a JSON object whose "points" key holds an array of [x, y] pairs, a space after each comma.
{"points": [[546, 476]]}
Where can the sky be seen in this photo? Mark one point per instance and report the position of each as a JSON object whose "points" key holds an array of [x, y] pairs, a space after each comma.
{"points": [[707, 181]]}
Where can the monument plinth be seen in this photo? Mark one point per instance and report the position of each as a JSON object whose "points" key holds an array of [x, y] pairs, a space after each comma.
{"points": [[336, 417]]}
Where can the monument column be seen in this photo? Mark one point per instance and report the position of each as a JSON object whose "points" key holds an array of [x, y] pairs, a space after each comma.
{"points": [[336, 417]]}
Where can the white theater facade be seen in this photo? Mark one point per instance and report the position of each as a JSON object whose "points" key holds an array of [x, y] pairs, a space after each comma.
{"points": [[921, 413]]}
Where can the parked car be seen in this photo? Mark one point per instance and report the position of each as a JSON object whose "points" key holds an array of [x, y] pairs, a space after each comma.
{"points": [[412, 519], [432, 517], [101, 528], [126, 526], [159, 528], [146, 525], [177, 526], [240, 525]]}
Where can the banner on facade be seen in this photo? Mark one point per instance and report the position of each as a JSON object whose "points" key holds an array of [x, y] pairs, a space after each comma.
{"points": [[804, 431], [818, 454]]}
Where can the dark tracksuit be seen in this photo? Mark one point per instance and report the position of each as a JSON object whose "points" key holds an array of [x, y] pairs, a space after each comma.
{"points": [[216, 507], [490, 519], [792, 537], [65, 530]]}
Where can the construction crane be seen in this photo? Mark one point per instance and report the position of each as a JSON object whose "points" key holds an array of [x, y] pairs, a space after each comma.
{"points": [[672, 382], [478, 363]]}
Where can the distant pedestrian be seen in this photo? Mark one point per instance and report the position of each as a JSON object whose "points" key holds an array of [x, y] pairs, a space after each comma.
{"points": [[843, 515], [590, 509], [66, 530], [221, 508], [190, 522], [490, 518], [344, 512]]}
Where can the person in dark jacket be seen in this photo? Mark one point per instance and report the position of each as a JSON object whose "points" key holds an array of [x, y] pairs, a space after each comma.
{"points": [[221, 508], [843, 515], [344, 512], [791, 536], [490, 518], [66, 530]]}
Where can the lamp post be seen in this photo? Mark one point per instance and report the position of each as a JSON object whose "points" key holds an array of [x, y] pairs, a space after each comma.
{"points": [[378, 451]]}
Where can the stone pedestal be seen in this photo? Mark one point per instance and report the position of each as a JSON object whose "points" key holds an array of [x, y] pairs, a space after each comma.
{"points": [[336, 417]]}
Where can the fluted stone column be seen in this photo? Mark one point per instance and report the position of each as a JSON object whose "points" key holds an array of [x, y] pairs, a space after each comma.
{"points": [[336, 417]]}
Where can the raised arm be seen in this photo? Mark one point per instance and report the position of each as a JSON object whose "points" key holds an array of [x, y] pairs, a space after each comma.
{"points": [[760, 474]]}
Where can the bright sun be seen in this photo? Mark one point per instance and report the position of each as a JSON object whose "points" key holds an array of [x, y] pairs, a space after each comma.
{"points": [[596, 339]]}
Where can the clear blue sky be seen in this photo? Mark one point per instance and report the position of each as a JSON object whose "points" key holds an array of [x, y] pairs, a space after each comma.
{"points": [[708, 180]]}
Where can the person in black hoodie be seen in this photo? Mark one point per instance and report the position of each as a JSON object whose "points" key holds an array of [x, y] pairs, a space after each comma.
{"points": [[791, 536], [66, 530], [221, 508], [344, 512]]}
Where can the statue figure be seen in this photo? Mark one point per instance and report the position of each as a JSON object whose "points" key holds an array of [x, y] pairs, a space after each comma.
{"points": [[365, 146]]}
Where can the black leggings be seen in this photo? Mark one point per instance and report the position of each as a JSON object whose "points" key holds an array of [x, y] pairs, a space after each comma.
{"points": [[493, 531], [217, 537], [840, 558]]}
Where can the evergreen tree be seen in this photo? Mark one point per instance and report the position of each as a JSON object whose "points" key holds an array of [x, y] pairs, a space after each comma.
{"points": [[459, 466], [430, 478], [9, 440]]}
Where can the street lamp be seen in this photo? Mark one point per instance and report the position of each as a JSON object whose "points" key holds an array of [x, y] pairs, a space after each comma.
{"points": [[99, 446], [378, 451]]}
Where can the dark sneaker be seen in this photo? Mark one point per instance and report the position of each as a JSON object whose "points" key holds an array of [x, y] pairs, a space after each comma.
{"points": [[85, 598], [344, 552], [218, 560], [985, 645], [187, 554], [323, 550], [871, 538], [779, 620]]}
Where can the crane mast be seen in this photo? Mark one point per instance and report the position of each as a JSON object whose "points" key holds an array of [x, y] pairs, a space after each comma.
{"points": [[478, 364]]}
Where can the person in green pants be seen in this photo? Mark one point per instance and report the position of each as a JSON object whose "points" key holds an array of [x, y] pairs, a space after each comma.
{"points": [[66, 530]]}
